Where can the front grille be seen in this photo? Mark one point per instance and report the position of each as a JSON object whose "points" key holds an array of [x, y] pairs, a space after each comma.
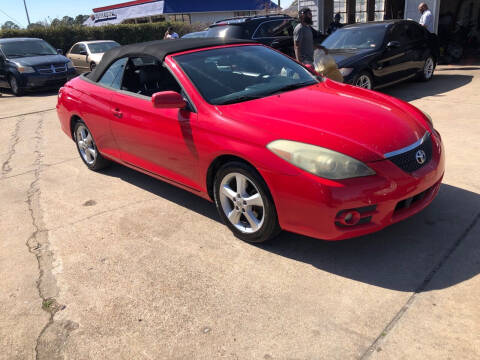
{"points": [[407, 161], [52, 69]]}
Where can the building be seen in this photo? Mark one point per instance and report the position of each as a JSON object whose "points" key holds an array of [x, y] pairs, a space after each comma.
{"points": [[370, 10], [189, 11]]}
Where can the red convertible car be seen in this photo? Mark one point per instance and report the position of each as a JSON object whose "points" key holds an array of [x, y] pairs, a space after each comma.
{"points": [[274, 146]]}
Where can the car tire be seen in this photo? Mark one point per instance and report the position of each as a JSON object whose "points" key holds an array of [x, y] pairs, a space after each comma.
{"points": [[92, 66], [87, 148], [14, 86], [364, 80], [255, 222], [428, 69]]}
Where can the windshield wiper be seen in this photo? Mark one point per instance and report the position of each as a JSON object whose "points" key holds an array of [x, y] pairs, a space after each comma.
{"points": [[291, 87], [240, 99]]}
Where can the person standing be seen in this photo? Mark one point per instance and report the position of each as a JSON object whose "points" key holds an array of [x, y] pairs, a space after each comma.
{"points": [[336, 24], [170, 34], [426, 20], [303, 38]]}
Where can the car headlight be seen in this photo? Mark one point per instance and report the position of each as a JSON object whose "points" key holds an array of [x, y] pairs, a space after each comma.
{"points": [[429, 118], [319, 161], [70, 65], [24, 69], [345, 71]]}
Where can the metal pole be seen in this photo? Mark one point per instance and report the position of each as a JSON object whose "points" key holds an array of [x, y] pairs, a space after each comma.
{"points": [[28, 17]]}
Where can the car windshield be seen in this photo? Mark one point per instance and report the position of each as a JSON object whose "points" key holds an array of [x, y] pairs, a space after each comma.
{"points": [[225, 31], [98, 48], [27, 48], [357, 37], [240, 73]]}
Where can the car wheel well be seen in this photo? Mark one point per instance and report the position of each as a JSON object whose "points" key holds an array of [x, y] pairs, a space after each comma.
{"points": [[73, 120], [217, 164]]}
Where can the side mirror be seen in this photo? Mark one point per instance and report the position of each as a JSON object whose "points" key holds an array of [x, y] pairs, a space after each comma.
{"points": [[311, 68], [393, 45], [83, 52], [59, 51], [168, 100]]}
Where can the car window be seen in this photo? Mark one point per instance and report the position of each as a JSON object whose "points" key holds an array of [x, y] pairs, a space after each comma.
{"points": [[415, 32], [274, 28], [98, 48], [24, 48], [356, 37], [113, 76], [399, 33], [226, 31], [75, 49], [240, 73], [147, 76], [81, 47]]}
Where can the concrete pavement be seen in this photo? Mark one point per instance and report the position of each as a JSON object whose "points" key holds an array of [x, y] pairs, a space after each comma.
{"points": [[120, 265]]}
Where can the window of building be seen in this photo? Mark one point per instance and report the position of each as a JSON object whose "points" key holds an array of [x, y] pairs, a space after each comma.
{"points": [[340, 6], [244, 13], [185, 18], [361, 14], [379, 10]]}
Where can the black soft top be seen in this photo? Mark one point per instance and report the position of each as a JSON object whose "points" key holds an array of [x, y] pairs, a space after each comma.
{"points": [[158, 49]]}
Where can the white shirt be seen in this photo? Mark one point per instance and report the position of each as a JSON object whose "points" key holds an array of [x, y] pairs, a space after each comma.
{"points": [[426, 20], [172, 36]]}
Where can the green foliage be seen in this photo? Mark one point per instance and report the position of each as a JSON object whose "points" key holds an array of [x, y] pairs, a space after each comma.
{"points": [[63, 37], [10, 25]]}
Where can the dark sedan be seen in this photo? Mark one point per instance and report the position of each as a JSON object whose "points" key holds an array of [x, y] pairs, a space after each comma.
{"points": [[377, 54], [27, 63]]}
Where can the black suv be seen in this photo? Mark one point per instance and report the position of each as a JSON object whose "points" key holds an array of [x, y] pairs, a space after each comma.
{"points": [[275, 31]]}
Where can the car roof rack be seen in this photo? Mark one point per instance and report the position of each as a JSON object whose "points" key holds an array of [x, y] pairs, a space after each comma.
{"points": [[238, 19]]}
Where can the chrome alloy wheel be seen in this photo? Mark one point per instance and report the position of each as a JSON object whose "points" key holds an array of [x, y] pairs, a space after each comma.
{"points": [[242, 203], [364, 81], [86, 145], [428, 68], [14, 84]]}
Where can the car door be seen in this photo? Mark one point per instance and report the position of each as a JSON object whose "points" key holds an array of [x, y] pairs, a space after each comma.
{"points": [[395, 62], [78, 56], [420, 49], [97, 110], [3, 72], [155, 140], [277, 34]]}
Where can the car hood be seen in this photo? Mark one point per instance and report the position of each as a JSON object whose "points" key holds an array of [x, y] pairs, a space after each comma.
{"points": [[348, 56], [40, 60], [354, 121], [96, 57]]}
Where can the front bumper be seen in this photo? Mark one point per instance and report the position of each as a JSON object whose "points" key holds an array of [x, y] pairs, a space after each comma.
{"points": [[312, 206], [35, 80]]}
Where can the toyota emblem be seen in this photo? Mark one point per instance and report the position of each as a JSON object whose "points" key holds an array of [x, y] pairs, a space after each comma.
{"points": [[420, 156]]}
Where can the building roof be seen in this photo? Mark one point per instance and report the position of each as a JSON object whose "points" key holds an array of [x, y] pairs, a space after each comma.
{"points": [[189, 6], [158, 49]]}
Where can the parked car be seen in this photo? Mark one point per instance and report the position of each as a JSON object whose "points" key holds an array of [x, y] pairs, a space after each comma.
{"points": [[252, 130], [377, 54], [86, 55], [196, 34], [28, 63], [275, 31]]}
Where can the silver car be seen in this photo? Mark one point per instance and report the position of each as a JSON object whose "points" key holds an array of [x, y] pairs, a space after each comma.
{"points": [[86, 55]]}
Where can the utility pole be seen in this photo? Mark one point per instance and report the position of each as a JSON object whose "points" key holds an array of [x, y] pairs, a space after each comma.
{"points": [[28, 17]]}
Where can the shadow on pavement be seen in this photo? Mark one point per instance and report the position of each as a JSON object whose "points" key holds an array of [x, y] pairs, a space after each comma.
{"points": [[398, 257], [436, 87], [38, 93]]}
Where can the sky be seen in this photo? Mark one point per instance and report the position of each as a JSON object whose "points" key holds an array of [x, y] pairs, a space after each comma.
{"points": [[40, 10]]}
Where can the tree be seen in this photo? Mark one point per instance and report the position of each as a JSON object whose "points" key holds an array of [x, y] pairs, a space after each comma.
{"points": [[80, 19], [10, 25], [67, 20]]}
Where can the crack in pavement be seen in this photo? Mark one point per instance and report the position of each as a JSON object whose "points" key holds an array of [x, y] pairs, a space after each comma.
{"points": [[421, 288], [14, 139], [52, 338], [30, 113], [42, 168]]}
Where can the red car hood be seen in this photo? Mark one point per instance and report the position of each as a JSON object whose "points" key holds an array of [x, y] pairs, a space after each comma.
{"points": [[351, 120]]}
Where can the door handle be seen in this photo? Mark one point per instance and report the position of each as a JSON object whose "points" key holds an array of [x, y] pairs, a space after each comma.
{"points": [[117, 113]]}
